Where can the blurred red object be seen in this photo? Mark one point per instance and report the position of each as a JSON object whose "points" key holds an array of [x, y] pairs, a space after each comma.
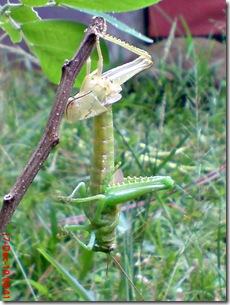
{"points": [[202, 17]]}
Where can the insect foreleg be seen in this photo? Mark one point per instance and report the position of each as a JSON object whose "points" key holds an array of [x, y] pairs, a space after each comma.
{"points": [[99, 205], [81, 188], [67, 230], [81, 200]]}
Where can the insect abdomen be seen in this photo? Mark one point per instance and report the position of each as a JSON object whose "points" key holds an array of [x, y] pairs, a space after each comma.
{"points": [[103, 152]]}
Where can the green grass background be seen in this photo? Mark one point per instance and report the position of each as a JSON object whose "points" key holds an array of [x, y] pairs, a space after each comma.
{"points": [[172, 244]]}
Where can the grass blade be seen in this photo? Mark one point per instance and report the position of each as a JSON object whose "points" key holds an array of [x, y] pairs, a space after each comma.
{"points": [[78, 288]]}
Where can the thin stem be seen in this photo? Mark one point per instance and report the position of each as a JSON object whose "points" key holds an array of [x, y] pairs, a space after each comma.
{"points": [[126, 275]]}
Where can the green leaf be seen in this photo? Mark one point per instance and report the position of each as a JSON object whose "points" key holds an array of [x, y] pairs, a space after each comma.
{"points": [[78, 288], [34, 2], [10, 29], [22, 14], [109, 5], [38, 286], [54, 41]]}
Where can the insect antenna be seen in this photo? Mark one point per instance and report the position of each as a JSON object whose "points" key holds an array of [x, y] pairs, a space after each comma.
{"points": [[126, 275]]}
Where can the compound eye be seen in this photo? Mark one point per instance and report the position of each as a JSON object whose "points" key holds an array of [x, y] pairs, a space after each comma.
{"points": [[111, 248], [104, 249]]}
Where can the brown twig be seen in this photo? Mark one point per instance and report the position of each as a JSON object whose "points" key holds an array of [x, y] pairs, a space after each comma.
{"points": [[50, 137]]}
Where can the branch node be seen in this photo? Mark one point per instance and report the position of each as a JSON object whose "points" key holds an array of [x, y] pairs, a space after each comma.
{"points": [[8, 198]]}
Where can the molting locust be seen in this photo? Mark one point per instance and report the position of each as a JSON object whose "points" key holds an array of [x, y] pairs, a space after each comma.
{"points": [[100, 202]]}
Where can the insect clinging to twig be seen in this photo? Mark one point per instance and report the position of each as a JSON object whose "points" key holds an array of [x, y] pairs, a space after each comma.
{"points": [[100, 90], [100, 203]]}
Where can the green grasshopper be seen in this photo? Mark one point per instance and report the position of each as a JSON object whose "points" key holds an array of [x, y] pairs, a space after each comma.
{"points": [[100, 203]]}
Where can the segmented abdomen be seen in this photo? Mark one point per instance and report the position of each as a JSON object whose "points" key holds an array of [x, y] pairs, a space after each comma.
{"points": [[103, 151], [102, 167]]}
